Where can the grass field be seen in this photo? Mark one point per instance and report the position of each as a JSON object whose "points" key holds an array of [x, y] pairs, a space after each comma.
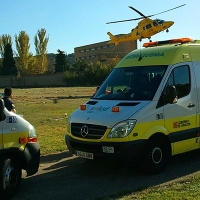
{"points": [[186, 188], [48, 109]]}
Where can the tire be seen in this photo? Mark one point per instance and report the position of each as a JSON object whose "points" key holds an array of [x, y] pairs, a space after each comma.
{"points": [[155, 156], [10, 178]]}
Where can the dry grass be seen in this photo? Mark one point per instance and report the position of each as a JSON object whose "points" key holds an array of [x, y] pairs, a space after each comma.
{"points": [[48, 109]]}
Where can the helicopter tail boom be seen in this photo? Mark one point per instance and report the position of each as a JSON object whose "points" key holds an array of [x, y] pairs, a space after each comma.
{"points": [[113, 39]]}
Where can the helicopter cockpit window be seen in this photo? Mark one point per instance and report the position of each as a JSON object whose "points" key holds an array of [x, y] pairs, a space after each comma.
{"points": [[148, 26], [155, 23], [160, 21], [131, 83]]}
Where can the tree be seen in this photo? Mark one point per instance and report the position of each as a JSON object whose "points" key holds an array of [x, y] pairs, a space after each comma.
{"points": [[4, 40], [32, 65], [90, 74], [8, 65], [114, 61], [41, 41], [95, 74], [71, 78], [23, 54], [79, 65], [61, 61]]}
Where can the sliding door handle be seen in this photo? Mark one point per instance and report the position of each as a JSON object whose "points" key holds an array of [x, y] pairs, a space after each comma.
{"points": [[191, 105]]}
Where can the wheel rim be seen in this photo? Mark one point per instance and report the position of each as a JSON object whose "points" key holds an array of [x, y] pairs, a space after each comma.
{"points": [[156, 155], [10, 178]]}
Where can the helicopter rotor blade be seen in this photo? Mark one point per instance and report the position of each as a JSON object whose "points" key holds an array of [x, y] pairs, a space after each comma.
{"points": [[137, 11], [167, 10], [126, 20], [143, 16]]}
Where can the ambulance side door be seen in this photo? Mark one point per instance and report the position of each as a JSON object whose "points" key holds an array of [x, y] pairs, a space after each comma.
{"points": [[180, 116], [2, 117]]}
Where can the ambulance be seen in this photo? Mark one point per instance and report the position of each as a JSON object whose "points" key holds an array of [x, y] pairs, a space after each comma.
{"points": [[19, 150], [147, 109]]}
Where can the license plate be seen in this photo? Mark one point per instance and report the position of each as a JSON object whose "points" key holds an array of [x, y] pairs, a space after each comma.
{"points": [[108, 149], [84, 154]]}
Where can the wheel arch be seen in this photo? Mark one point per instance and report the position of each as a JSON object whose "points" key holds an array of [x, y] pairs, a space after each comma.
{"points": [[165, 137], [156, 142], [15, 153]]}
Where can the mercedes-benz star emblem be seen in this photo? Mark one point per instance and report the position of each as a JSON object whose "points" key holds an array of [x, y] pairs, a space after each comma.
{"points": [[84, 131]]}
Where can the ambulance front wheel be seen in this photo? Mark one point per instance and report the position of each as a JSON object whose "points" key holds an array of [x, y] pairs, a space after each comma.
{"points": [[155, 156], [10, 177]]}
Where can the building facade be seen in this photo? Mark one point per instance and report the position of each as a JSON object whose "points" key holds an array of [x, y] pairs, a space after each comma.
{"points": [[103, 51]]}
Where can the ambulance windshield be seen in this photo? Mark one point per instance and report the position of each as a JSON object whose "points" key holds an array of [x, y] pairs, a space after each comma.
{"points": [[131, 83]]}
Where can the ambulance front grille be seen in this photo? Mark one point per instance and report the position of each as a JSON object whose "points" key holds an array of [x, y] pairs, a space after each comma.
{"points": [[88, 131]]}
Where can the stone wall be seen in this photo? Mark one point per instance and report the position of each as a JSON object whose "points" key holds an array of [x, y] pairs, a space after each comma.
{"points": [[38, 80]]}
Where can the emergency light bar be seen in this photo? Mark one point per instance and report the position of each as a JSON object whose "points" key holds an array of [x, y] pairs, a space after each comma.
{"points": [[173, 41]]}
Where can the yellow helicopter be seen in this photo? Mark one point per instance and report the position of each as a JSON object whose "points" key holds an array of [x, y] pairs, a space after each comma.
{"points": [[145, 28]]}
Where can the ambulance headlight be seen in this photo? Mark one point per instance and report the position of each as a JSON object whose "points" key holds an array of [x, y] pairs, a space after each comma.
{"points": [[122, 129]]}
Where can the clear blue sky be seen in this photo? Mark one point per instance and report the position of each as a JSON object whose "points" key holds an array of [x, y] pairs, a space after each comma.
{"points": [[76, 23]]}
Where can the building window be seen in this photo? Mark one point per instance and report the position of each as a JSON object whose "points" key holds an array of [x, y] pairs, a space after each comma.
{"points": [[112, 45]]}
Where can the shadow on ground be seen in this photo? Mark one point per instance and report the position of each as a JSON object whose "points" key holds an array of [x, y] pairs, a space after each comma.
{"points": [[63, 176]]}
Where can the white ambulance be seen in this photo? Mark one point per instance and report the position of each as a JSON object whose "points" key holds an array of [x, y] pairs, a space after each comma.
{"points": [[146, 110], [19, 150]]}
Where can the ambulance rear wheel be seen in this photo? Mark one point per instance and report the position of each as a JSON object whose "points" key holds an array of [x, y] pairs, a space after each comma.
{"points": [[155, 156], [10, 177]]}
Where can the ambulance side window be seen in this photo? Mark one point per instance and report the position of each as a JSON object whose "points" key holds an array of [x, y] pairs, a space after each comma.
{"points": [[180, 78]]}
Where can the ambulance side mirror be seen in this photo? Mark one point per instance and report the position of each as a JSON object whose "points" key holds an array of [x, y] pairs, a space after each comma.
{"points": [[97, 88], [171, 95], [2, 115]]}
